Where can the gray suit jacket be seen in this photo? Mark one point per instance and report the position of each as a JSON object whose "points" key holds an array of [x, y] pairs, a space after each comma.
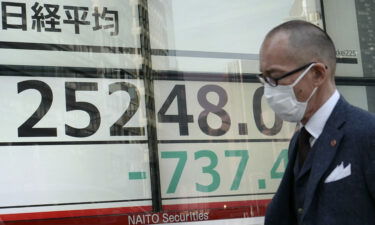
{"points": [[349, 138]]}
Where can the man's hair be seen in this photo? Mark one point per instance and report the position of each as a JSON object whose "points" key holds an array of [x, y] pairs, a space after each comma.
{"points": [[308, 42]]}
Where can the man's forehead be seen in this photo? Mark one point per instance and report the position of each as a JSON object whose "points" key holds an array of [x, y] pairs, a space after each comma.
{"points": [[275, 51], [278, 40]]}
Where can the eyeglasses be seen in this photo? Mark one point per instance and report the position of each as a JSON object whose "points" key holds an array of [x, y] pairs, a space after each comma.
{"points": [[273, 82]]}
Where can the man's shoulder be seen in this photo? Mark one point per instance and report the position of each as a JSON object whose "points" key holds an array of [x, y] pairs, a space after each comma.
{"points": [[360, 123], [360, 117], [352, 114]]}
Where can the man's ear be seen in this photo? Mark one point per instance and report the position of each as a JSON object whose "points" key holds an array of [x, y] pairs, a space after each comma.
{"points": [[320, 74]]}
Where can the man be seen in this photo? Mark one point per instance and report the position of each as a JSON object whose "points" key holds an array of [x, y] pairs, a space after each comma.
{"points": [[330, 177]]}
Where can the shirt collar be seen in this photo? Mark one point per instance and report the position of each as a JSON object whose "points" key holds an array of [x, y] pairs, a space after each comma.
{"points": [[317, 122]]}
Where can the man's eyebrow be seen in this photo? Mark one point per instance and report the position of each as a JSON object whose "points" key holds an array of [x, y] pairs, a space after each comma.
{"points": [[273, 70]]}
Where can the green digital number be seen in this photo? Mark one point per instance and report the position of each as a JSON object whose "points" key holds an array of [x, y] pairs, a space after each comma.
{"points": [[283, 157], [182, 158], [208, 169], [244, 154]]}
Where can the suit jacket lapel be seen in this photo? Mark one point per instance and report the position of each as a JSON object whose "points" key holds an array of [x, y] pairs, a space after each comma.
{"points": [[281, 209], [327, 145], [293, 149]]}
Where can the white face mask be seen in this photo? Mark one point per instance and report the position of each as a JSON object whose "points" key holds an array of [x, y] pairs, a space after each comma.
{"points": [[283, 101]]}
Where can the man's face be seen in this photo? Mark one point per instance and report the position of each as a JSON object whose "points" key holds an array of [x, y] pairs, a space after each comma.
{"points": [[276, 59]]}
